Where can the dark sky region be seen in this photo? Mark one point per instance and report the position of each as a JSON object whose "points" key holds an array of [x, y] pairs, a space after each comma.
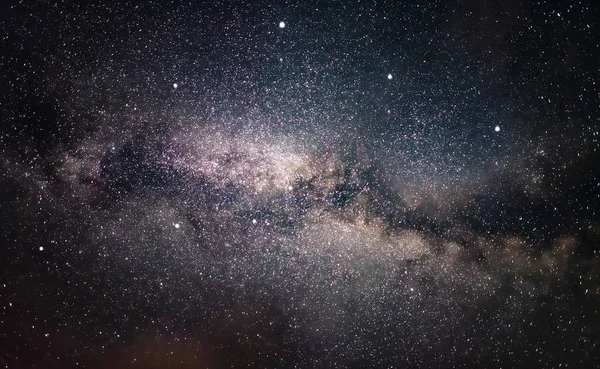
{"points": [[289, 184]]}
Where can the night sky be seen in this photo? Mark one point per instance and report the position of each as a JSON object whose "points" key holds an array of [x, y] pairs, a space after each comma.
{"points": [[286, 184]]}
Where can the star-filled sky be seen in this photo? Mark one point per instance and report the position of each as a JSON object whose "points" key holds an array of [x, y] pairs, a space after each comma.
{"points": [[289, 184]]}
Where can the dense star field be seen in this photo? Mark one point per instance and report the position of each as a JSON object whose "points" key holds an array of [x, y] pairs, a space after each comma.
{"points": [[350, 184]]}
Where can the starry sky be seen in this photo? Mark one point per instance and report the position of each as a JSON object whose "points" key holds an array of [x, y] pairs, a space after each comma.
{"points": [[299, 184]]}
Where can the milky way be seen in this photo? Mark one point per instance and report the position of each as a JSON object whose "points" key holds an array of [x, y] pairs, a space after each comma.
{"points": [[308, 185]]}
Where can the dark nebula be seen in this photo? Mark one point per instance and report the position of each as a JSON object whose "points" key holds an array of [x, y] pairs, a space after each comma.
{"points": [[344, 184]]}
